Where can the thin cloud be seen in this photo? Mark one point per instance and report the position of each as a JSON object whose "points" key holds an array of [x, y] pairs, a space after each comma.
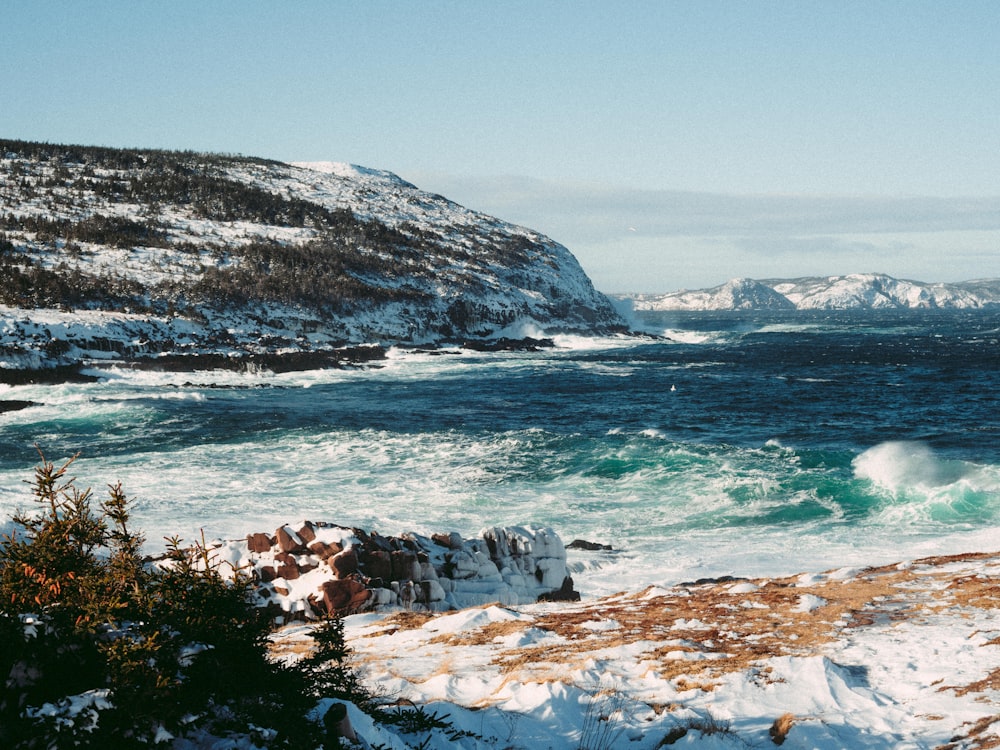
{"points": [[660, 240], [599, 208]]}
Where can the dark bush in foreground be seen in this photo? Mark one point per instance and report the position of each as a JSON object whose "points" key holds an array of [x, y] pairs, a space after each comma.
{"points": [[102, 650]]}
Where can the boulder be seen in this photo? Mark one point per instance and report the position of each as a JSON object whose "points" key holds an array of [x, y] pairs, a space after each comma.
{"points": [[289, 541], [324, 550], [259, 543], [344, 563], [404, 566], [341, 597], [376, 564], [449, 541], [287, 567], [357, 570], [588, 546], [307, 533], [565, 593]]}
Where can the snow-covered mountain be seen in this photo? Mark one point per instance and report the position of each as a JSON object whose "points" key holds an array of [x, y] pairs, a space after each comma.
{"points": [[865, 291], [139, 252]]}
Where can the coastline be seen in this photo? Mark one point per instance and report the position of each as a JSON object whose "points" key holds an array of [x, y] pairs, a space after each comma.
{"points": [[62, 370], [897, 656], [901, 655]]}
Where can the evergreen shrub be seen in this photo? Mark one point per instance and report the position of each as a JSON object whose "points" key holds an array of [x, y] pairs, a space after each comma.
{"points": [[102, 649]]}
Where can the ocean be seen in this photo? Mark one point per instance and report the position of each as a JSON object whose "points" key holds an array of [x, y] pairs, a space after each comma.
{"points": [[745, 444]]}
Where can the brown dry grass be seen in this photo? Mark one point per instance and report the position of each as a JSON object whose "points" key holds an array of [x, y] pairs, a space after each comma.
{"points": [[781, 727], [482, 635], [729, 631], [405, 620], [979, 736], [693, 635]]}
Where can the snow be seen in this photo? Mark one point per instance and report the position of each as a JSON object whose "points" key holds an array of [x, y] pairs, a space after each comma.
{"points": [[903, 656], [869, 291], [899, 656], [501, 274]]}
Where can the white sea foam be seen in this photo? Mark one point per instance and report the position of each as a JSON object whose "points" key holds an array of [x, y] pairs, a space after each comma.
{"points": [[901, 465], [688, 337]]}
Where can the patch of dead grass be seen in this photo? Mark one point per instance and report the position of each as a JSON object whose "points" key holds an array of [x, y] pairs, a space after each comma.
{"points": [[728, 632], [978, 737], [403, 620], [484, 634]]}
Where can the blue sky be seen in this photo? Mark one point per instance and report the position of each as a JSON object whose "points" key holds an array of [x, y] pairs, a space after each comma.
{"points": [[667, 144]]}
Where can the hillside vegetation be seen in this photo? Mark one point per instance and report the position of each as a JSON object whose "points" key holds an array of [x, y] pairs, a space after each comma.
{"points": [[231, 251]]}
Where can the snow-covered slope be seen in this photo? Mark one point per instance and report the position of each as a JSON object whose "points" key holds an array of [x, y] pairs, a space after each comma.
{"points": [[902, 656], [140, 252], [870, 291], [878, 291], [737, 294]]}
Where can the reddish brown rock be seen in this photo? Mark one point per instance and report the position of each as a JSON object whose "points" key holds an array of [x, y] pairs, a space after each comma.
{"points": [[451, 541], [259, 543], [342, 597], [307, 533], [345, 563], [288, 541], [267, 573], [402, 565], [323, 550], [287, 567], [377, 564]]}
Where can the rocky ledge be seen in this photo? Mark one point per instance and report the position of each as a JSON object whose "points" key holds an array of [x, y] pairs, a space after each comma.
{"points": [[309, 569]]}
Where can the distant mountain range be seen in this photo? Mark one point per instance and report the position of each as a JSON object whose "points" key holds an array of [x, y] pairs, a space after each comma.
{"points": [[139, 253], [866, 291]]}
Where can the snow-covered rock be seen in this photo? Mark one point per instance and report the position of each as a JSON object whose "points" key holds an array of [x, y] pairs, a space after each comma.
{"points": [[305, 568]]}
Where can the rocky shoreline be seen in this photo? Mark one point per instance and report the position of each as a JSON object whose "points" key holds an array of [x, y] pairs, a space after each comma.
{"points": [[82, 370], [306, 570], [889, 657]]}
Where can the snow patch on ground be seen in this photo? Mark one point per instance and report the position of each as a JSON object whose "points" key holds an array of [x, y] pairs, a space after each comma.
{"points": [[897, 657]]}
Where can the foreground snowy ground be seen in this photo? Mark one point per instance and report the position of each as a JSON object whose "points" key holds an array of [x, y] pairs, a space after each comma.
{"points": [[903, 656]]}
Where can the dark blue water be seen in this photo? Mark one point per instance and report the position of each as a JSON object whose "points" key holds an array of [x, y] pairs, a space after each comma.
{"points": [[855, 432]]}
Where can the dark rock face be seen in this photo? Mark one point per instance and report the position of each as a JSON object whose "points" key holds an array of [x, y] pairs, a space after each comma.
{"points": [[566, 593], [588, 546], [504, 344], [274, 362], [12, 404], [44, 375]]}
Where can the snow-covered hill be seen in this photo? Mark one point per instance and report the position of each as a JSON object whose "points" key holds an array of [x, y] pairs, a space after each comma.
{"points": [[737, 294], [126, 253], [868, 291]]}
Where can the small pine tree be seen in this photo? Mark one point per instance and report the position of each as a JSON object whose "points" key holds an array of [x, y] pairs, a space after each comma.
{"points": [[327, 670], [144, 650]]}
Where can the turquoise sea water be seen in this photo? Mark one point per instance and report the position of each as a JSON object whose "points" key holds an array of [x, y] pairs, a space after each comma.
{"points": [[742, 444]]}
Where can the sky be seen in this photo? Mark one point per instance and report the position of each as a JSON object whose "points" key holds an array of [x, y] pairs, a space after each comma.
{"points": [[668, 144]]}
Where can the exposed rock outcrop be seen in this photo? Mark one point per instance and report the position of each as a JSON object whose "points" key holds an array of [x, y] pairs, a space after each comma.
{"points": [[308, 569]]}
